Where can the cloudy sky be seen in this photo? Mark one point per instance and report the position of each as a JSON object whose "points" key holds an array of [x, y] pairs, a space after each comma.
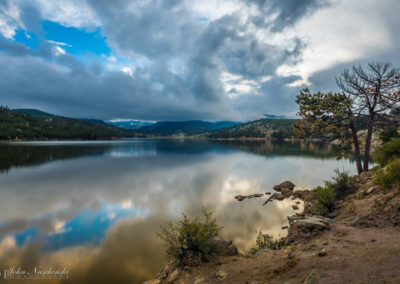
{"points": [[184, 59]]}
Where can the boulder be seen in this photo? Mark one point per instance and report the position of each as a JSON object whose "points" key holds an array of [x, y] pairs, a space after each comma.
{"points": [[321, 252], [302, 229], [370, 190], [240, 197], [279, 197], [286, 184], [305, 195], [286, 191], [255, 195], [221, 274]]}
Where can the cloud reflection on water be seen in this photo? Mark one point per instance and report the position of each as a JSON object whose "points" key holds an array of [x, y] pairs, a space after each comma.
{"points": [[98, 213]]}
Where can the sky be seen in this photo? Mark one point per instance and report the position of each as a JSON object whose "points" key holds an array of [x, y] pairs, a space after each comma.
{"points": [[185, 59]]}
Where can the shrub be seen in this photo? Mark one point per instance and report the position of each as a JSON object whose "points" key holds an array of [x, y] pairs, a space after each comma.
{"points": [[388, 133], [390, 175], [265, 241], [191, 238], [343, 183], [388, 152], [326, 198]]}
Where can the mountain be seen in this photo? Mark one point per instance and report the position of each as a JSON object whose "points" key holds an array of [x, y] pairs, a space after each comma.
{"points": [[272, 116], [189, 127], [130, 124], [262, 128], [28, 124], [34, 112], [93, 120]]}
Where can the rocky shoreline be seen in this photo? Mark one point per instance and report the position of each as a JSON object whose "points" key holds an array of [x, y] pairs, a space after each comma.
{"points": [[316, 249]]}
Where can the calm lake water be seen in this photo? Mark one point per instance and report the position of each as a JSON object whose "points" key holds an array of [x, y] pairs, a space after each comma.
{"points": [[95, 207]]}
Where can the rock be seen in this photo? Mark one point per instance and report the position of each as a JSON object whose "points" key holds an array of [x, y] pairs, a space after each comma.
{"points": [[255, 195], [284, 227], [321, 252], [154, 281], [227, 248], [370, 190], [305, 195], [310, 278], [267, 193], [193, 259], [295, 207], [166, 270], [221, 274], [243, 197], [173, 276], [331, 215], [302, 229], [240, 197], [285, 190], [279, 197], [286, 184], [199, 280]]}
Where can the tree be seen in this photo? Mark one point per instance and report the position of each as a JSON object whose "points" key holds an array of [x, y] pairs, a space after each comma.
{"points": [[367, 95], [374, 92], [328, 113]]}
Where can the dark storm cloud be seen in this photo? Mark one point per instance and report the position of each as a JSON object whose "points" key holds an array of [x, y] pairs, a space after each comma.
{"points": [[177, 60], [288, 11], [155, 29]]}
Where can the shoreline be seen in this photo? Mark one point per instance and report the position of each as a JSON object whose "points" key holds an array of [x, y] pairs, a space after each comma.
{"points": [[360, 235], [176, 138]]}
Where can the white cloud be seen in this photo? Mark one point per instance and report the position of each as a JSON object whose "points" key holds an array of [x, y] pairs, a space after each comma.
{"points": [[127, 204], [127, 70], [10, 20], [235, 85], [59, 43], [71, 13], [58, 50], [348, 31]]}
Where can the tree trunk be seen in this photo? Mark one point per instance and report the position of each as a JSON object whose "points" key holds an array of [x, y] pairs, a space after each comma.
{"points": [[356, 148], [368, 141]]}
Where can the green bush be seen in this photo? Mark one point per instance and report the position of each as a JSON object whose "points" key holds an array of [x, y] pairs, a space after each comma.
{"points": [[390, 175], [326, 198], [388, 152], [343, 183], [389, 133], [265, 241], [191, 238]]}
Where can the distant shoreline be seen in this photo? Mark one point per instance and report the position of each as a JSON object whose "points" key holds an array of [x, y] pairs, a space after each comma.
{"points": [[171, 137]]}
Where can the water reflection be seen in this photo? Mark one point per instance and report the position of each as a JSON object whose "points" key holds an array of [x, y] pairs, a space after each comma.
{"points": [[95, 206]]}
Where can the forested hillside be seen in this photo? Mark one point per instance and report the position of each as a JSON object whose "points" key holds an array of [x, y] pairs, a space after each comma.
{"points": [[15, 125], [190, 127], [263, 128]]}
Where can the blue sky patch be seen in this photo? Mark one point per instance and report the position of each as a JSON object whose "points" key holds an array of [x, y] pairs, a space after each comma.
{"points": [[78, 40]]}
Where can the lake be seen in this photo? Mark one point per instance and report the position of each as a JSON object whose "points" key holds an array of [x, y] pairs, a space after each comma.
{"points": [[95, 207]]}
